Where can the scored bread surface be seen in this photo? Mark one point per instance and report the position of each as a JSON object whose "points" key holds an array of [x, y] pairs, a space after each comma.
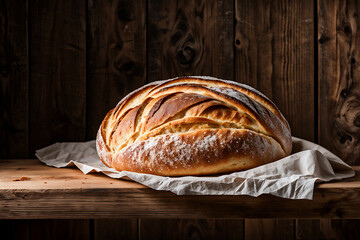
{"points": [[193, 126]]}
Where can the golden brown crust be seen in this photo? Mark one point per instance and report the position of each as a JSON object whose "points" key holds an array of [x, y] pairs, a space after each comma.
{"points": [[219, 126], [103, 150], [163, 110]]}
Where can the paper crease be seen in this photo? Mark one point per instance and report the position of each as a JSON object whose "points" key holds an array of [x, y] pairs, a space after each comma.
{"points": [[292, 177]]}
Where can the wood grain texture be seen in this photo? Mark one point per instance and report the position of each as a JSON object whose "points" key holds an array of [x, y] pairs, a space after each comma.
{"points": [[57, 76], [116, 65], [328, 229], [13, 79], [148, 203], [315, 229], [274, 44], [39, 176], [84, 196], [339, 78], [108, 229], [339, 99], [60, 229], [192, 229], [14, 70], [269, 229], [116, 44], [190, 38], [57, 89], [274, 53]]}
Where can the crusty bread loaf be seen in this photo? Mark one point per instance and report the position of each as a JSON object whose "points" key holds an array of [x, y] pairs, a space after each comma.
{"points": [[193, 126]]}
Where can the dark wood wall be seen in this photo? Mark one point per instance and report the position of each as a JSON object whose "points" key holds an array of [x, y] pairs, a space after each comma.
{"points": [[65, 63]]}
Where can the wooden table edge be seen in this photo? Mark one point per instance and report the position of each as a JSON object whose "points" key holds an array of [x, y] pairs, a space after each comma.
{"points": [[331, 200]]}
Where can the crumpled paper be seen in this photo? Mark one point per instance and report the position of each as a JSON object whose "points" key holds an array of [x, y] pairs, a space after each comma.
{"points": [[292, 177]]}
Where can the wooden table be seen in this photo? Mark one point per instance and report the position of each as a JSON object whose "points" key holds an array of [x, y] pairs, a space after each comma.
{"points": [[31, 190]]}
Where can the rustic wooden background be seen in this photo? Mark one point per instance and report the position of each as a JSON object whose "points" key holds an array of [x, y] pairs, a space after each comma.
{"points": [[65, 63]]}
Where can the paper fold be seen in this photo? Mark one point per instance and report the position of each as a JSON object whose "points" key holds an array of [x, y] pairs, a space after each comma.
{"points": [[292, 177]]}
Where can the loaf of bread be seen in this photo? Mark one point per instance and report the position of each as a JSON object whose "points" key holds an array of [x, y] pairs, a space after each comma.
{"points": [[193, 126]]}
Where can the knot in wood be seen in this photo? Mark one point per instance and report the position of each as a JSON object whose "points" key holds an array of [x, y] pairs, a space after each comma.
{"points": [[344, 93], [323, 39], [347, 122], [357, 120], [342, 136], [351, 112], [185, 55], [347, 30]]}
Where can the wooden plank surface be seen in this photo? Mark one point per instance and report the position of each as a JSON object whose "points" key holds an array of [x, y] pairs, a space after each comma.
{"points": [[190, 38], [269, 229], [13, 79], [32, 174], [274, 53], [328, 229], [57, 106], [60, 229], [147, 203], [14, 86], [57, 73], [192, 229], [88, 198], [339, 77], [113, 229], [339, 99]]}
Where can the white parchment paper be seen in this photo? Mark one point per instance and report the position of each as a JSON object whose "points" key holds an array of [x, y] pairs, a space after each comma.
{"points": [[291, 177]]}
